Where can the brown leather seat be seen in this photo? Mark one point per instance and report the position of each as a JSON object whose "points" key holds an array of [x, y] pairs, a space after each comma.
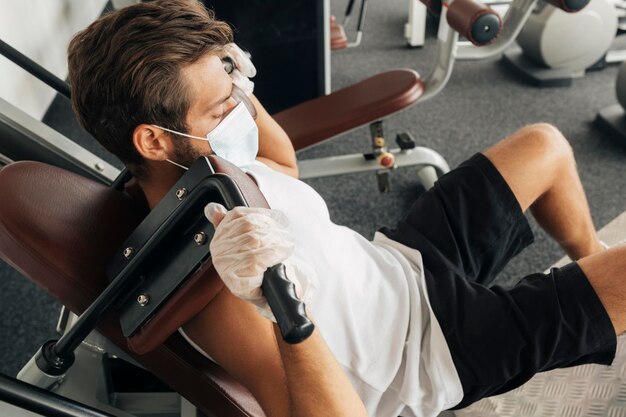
{"points": [[321, 118], [60, 230]]}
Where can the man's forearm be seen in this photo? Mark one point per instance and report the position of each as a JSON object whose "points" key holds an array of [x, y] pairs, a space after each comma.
{"points": [[289, 170], [317, 384], [274, 144]]}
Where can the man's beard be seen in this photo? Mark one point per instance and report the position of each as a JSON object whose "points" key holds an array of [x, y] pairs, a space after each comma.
{"points": [[185, 154]]}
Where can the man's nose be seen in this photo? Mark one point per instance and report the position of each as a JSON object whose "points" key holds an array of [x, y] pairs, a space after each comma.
{"points": [[231, 103]]}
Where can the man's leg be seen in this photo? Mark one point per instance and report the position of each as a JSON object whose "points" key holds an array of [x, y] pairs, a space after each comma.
{"points": [[538, 164], [470, 224], [606, 271]]}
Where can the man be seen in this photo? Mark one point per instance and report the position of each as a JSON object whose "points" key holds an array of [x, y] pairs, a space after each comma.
{"points": [[408, 317]]}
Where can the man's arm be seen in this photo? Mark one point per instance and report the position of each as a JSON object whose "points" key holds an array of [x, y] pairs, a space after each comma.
{"points": [[275, 148], [288, 380], [316, 383], [242, 342]]}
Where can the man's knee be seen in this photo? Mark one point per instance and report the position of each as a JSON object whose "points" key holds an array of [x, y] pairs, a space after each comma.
{"points": [[548, 142]]}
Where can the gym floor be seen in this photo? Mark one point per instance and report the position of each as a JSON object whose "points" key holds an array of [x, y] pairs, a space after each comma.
{"points": [[482, 103]]}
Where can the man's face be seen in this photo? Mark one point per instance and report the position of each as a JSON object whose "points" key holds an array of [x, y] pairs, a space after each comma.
{"points": [[210, 89]]}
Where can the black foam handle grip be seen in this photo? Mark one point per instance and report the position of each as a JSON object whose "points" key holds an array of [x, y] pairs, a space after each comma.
{"points": [[289, 311]]}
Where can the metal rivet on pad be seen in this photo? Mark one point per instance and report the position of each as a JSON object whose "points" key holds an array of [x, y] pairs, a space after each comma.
{"points": [[129, 252], [199, 238], [181, 193], [143, 299]]}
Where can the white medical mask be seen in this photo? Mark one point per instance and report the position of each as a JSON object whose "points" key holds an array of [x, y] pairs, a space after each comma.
{"points": [[236, 138]]}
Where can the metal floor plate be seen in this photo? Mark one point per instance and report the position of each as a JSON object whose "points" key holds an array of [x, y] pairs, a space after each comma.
{"points": [[581, 391]]}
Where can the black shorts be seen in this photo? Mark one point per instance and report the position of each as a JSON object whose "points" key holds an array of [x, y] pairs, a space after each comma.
{"points": [[467, 228]]}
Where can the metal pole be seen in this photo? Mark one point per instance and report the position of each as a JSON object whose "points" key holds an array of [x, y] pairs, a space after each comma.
{"points": [[43, 402], [348, 13], [55, 82], [35, 69]]}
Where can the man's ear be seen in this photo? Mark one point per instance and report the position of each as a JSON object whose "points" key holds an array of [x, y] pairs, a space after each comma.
{"points": [[152, 142]]}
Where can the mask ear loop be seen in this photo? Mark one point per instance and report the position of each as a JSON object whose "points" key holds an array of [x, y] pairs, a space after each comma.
{"points": [[182, 134], [179, 133], [177, 164]]}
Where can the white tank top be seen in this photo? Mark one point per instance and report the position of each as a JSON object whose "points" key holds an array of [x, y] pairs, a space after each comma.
{"points": [[370, 306]]}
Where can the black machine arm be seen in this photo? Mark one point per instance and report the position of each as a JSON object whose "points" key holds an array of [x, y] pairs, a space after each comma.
{"points": [[166, 249], [183, 234]]}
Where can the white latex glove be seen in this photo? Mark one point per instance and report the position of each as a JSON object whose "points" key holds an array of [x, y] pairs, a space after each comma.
{"points": [[245, 68], [247, 241]]}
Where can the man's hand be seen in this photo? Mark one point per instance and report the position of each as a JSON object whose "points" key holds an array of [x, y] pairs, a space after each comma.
{"points": [[275, 148], [244, 68], [247, 241]]}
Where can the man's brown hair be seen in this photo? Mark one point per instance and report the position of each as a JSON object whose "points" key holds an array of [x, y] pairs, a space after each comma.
{"points": [[125, 69]]}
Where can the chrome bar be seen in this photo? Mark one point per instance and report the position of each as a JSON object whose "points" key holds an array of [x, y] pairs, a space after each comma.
{"points": [[24, 137], [344, 164], [447, 40]]}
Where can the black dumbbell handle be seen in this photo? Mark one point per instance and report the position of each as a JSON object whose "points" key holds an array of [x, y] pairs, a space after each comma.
{"points": [[288, 310]]}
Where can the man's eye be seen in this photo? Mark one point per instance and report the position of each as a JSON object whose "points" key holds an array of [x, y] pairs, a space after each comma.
{"points": [[229, 64]]}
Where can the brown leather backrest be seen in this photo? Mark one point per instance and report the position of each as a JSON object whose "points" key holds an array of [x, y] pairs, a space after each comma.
{"points": [[60, 229]]}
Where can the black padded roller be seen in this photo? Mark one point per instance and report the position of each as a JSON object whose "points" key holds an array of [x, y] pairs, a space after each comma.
{"points": [[288, 310], [485, 29]]}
